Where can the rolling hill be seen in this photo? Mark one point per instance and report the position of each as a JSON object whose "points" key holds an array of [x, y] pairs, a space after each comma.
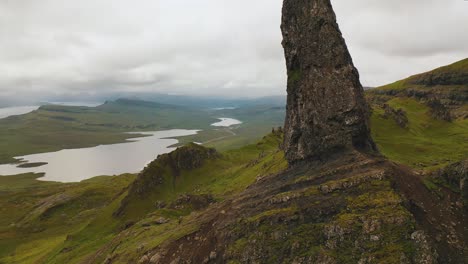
{"points": [[422, 121]]}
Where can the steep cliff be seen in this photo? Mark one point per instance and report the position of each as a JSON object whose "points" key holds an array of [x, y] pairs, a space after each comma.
{"points": [[326, 109]]}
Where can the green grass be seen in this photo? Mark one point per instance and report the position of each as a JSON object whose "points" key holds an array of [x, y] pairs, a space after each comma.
{"points": [[33, 223], [460, 67], [426, 143], [219, 177], [71, 229], [398, 85]]}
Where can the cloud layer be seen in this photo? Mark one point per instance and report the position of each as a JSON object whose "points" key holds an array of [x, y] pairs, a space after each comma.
{"points": [[216, 47]]}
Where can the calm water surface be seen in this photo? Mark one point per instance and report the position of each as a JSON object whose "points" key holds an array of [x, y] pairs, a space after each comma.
{"points": [[73, 165], [226, 122], [17, 110]]}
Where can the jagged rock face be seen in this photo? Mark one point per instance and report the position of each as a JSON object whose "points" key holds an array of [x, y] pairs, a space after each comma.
{"points": [[187, 157], [166, 168], [399, 115], [456, 176], [439, 111], [326, 109]]}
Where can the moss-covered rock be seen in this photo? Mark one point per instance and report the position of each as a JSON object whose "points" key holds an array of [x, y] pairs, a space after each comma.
{"points": [[164, 171]]}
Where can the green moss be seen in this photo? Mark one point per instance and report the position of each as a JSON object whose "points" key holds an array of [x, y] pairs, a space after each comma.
{"points": [[238, 247], [398, 85], [256, 218], [294, 76], [373, 209], [374, 200], [306, 239]]}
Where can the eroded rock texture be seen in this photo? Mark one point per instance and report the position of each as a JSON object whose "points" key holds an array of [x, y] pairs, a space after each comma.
{"points": [[326, 109]]}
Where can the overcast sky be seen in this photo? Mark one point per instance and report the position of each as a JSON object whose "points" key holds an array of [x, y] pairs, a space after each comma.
{"points": [[216, 47]]}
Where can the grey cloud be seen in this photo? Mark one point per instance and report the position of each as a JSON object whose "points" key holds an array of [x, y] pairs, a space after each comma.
{"points": [[220, 47], [391, 40]]}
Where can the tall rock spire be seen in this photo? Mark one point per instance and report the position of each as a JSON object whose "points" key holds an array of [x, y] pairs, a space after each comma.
{"points": [[326, 109]]}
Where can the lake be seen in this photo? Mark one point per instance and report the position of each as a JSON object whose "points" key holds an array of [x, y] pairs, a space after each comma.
{"points": [[17, 110], [226, 122], [73, 165]]}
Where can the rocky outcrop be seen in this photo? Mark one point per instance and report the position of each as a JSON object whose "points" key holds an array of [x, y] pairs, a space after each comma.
{"points": [[455, 176], [398, 115], [441, 78], [165, 170], [444, 90], [340, 211], [326, 109], [439, 111], [188, 157]]}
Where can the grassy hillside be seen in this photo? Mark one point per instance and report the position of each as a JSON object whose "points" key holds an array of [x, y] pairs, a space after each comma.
{"points": [[435, 104], [38, 216], [36, 233], [455, 75], [426, 143], [444, 89]]}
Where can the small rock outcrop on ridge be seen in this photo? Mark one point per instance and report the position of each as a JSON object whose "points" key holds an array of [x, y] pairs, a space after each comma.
{"points": [[165, 170], [399, 115], [326, 109]]}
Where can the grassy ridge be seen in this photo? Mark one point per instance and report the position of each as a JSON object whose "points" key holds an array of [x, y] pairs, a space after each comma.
{"points": [[426, 143], [453, 75]]}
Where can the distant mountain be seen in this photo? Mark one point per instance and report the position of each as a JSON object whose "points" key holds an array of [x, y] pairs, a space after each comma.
{"points": [[209, 101]]}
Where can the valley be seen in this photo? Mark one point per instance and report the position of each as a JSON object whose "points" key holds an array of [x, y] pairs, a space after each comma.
{"points": [[56, 127], [332, 174]]}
